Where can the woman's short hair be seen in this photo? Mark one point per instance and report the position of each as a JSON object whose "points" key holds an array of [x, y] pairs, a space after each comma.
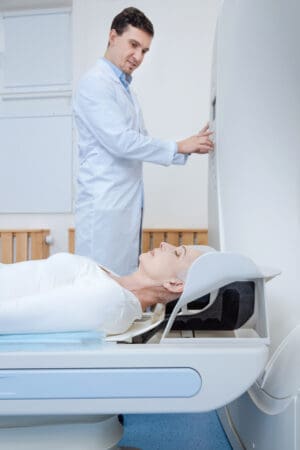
{"points": [[134, 17], [201, 249]]}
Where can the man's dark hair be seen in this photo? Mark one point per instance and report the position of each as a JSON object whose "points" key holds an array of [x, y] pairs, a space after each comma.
{"points": [[134, 17]]}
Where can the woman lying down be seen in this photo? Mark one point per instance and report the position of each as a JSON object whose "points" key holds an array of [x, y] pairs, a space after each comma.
{"points": [[73, 293]]}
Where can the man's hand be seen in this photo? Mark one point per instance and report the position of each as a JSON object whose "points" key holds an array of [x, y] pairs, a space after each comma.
{"points": [[200, 143]]}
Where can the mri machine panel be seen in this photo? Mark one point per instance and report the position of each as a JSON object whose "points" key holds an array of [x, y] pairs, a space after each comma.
{"points": [[219, 372], [254, 184]]}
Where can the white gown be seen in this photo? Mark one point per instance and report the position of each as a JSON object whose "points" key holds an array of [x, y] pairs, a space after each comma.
{"points": [[63, 293]]}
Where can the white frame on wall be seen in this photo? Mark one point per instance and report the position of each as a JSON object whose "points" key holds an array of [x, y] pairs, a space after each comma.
{"points": [[41, 106]]}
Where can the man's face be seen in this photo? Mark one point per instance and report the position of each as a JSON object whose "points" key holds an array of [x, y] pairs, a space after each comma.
{"points": [[167, 261], [127, 50]]}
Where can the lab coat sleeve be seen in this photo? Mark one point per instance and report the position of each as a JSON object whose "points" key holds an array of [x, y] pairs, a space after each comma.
{"points": [[178, 158], [109, 120]]}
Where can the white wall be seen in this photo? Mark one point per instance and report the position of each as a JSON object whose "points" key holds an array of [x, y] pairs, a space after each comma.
{"points": [[173, 87]]}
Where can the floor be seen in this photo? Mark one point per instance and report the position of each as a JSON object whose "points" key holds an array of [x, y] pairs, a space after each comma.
{"points": [[174, 432]]}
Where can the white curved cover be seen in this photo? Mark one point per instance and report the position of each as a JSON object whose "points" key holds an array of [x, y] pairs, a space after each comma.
{"points": [[254, 182], [210, 272]]}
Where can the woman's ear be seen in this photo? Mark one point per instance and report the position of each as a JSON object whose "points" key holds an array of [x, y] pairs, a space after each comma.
{"points": [[174, 285]]}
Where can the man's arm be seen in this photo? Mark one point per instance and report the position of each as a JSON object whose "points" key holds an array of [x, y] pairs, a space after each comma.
{"points": [[97, 107]]}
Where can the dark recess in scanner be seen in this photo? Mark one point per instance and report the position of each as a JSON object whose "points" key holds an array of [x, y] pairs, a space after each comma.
{"points": [[233, 306]]}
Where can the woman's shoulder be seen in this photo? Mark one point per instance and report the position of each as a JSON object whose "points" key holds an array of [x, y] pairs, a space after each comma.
{"points": [[76, 265], [63, 255], [71, 258]]}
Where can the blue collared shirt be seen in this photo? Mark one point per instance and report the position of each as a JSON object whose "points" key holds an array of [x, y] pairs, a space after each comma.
{"points": [[124, 77]]}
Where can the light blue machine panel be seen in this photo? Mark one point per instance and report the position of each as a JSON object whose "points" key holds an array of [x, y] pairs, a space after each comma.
{"points": [[99, 383]]}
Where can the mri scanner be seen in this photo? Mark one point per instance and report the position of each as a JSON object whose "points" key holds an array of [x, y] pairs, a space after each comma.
{"points": [[204, 353], [254, 197], [210, 350]]}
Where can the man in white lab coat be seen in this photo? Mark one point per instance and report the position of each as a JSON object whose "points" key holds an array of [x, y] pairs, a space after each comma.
{"points": [[113, 143]]}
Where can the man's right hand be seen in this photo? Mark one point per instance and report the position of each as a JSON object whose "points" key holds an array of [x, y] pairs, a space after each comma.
{"points": [[200, 143]]}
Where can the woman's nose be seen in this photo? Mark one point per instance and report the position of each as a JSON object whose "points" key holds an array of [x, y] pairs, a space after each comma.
{"points": [[166, 246]]}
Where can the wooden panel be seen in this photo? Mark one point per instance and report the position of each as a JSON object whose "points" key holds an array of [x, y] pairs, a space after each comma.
{"points": [[152, 237], [201, 237], [21, 246], [158, 237], [45, 246], [187, 238], [71, 240], [39, 247], [172, 237], [7, 247], [146, 241], [36, 246]]}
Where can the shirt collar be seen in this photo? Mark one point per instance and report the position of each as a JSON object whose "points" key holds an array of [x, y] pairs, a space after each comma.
{"points": [[123, 77]]}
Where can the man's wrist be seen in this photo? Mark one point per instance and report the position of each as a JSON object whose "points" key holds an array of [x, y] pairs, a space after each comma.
{"points": [[179, 147]]}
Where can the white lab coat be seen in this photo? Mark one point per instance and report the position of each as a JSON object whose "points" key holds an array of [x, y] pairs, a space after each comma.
{"points": [[113, 144]]}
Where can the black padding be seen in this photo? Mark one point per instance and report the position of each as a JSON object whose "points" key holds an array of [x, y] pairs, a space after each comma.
{"points": [[233, 306]]}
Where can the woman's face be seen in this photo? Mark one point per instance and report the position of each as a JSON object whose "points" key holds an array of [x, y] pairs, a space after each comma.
{"points": [[167, 261]]}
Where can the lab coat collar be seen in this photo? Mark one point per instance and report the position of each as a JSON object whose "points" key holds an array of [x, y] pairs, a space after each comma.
{"points": [[113, 72]]}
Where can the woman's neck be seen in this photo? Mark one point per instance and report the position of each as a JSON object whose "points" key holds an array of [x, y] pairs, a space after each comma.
{"points": [[149, 292], [132, 281], [142, 287]]}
